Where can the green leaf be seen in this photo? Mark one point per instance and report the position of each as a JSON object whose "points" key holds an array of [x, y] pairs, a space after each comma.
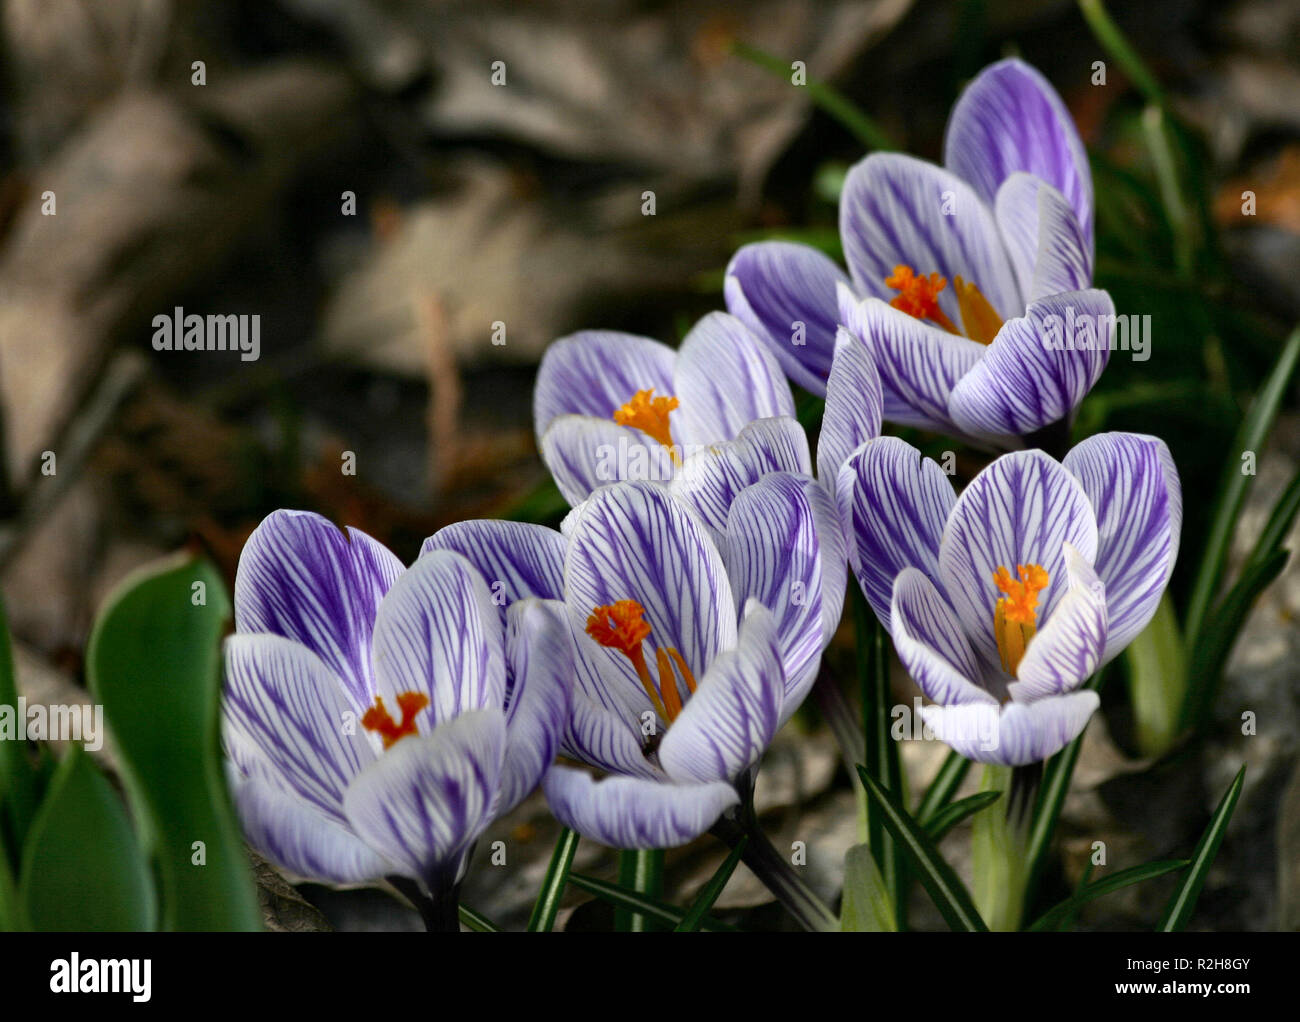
{"points": [[937, 827], [713, 887], [1117, 45], [1279, 523], [557, 876], [1058, 915], [1178, 912], [621, 897], [641, 870], [1219, 633], [943, 787], [18, 781], [154, 663], [476, 922], [946, 890], [1234, 485], [83, 868], [998, 863], [867, 907]]}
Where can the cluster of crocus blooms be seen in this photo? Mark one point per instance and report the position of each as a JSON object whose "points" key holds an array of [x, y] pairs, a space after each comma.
{"points": [[637, 662]]}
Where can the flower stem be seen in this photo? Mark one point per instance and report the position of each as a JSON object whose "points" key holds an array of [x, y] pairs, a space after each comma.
{"points": [[438, 904], [775, 871]]}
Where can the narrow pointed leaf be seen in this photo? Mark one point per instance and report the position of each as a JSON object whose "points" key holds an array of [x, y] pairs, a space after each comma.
{"points": [[946, 889], [937, 827], [1056, 917], [1183, 903], [641, 870], [867, 907], [476, 922], [1234, 485], [943, 787], [621, 897], [711, 890], [553, 884]]}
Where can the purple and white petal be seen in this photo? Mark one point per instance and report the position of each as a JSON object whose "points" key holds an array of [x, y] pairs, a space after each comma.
{"points": [[539, 651], [726, 378], [584, 454], [854, 403], [302, 577], [635, 541], [731, 718], [516, 559], [282, 706], [596, 372], [1020, 734], [1021, 509], [1048, 248], [896, 209], [632, 812], [931, 644], [1135, 493], [424, 800], [299, 838], [439, 633], [919, 364], [893, 503], [785, 550], [611, 739], [785, 293], [1011, 119], [710, 478], [1067, 648], [1038, 368]]}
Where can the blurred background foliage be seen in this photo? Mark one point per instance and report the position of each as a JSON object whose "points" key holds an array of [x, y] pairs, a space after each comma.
{"points": [[521, 204]]}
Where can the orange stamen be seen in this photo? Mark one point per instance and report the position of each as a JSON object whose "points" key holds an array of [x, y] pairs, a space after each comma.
{"points": [[622, 626], [377, 718], [979, 319], [1015, 618], [649, 414], [919, 296]]}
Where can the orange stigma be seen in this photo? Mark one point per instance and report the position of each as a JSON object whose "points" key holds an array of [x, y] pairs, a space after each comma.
{"points": [[622, 626], [1015, 619], [649, 414], [378, 719], [919, 297]]}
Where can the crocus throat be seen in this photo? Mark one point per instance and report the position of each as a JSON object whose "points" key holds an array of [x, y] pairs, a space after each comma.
{"points": [[1015, 620], [919, 297], [649, 414], [622, 626], [377, 718]]}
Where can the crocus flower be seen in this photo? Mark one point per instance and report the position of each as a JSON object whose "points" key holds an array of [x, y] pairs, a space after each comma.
{"points": [[377, 719], [688, 655], [968, 283], [1002, 602], [612, 407]]}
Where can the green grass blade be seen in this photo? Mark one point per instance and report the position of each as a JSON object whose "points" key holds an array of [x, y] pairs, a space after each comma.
{"points": [[1234, 485], [943, 787], [641, 870], [1058, 916], [621, 897], [1183, 903], [477, 922], [1279, 523], [946, 889], [1117, 45], [711, 890], [547, 905], [937, 827]]}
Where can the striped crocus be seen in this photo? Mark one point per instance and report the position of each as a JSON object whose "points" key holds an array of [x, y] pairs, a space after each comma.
{"points": [[1002, 601], [377, 719], [614, 407], [689, 655], [969, 283]]}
